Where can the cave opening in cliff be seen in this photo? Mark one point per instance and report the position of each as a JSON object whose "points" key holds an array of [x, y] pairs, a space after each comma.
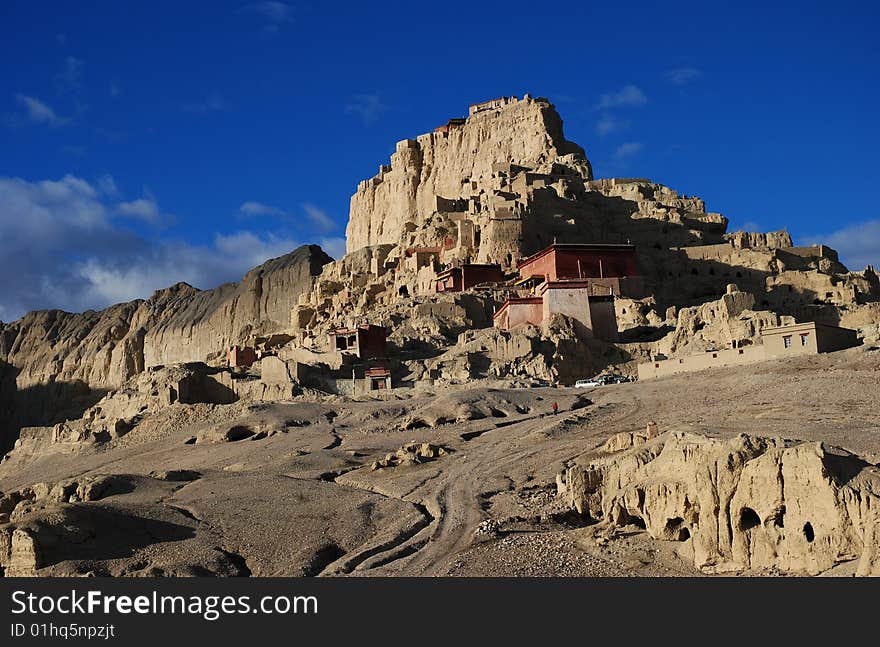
{"points": [[677, 530], [809, 535], [748, 519]]}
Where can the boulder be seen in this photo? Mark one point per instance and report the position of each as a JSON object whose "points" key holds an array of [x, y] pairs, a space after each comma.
{"points": [[411, 454]]}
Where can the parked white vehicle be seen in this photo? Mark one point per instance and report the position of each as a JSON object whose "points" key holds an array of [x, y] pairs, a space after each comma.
{"points": [[586, 384]]}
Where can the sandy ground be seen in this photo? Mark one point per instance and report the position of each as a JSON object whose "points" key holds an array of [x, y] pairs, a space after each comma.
{"points": [[300, 498]]}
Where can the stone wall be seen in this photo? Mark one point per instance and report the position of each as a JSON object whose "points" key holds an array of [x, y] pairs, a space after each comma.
{"points": [[702, 361]]}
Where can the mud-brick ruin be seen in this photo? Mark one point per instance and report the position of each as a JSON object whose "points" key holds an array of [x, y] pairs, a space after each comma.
{"points": [[489, 237], [484, 258], [486, 248]]}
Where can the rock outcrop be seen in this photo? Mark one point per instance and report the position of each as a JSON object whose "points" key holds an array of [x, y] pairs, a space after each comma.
{"points": [[504, 183], [410, 454], [122, 410], [64, 361], [729, 322], [177, 324], [556, 352], [746, 503], [456, 163]]}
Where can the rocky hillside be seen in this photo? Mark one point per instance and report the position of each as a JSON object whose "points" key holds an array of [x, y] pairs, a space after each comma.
{"points": [[502, 184], [82, 355], [494, 187]]}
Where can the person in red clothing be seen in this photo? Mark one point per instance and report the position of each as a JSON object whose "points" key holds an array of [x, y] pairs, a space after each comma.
{"points": [[555, 408]]}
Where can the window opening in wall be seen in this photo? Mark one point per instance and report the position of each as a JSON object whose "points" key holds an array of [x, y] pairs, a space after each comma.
{"points": [[786, 341], [804, 338]]}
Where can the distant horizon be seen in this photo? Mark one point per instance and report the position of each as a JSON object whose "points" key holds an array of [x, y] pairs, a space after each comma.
{"points": [[133, 163]]}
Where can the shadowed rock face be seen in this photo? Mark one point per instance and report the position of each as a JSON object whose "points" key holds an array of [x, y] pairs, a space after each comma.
{"points": [[73, 352], [745, 503]]}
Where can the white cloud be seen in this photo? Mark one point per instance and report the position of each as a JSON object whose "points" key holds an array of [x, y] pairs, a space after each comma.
{"points": [[858, 244], [39, 112], [104, 281], [253, 249], [628, 96], [320, 220], [254, 208], [335, 246], [319, 217], [368, 106], [683, 75], [68, 247], [43, 224], [146, 209], [625, 151], [115, 283]]}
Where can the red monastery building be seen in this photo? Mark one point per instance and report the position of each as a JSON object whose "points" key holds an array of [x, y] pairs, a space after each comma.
{"points": [[560, 262], [465, 277], [580, 281]]}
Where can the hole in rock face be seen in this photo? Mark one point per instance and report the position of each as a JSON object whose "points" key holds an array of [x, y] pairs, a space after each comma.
{"points": [[677, 530], [239, 432], [748, 519], [638, 522], [808, 532], [779, 519]]}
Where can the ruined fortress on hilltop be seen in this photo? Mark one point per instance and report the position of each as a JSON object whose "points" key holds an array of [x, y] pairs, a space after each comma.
{"points": [[484, 249]]}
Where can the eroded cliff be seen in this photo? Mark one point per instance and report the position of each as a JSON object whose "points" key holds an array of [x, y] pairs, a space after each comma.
{"points": [[64, 362], [457, 162]]}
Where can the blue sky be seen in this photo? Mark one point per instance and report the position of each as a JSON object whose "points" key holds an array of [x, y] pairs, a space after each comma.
{"points": [[145, 143]]}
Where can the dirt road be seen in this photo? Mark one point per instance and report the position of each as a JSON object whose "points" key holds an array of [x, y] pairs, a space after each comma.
{"points": [[299, 496]]}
